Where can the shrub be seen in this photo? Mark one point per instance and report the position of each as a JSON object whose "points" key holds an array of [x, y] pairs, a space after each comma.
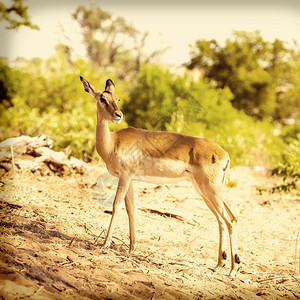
{"points": [[288, 166], [182, 104], [51, 100]]}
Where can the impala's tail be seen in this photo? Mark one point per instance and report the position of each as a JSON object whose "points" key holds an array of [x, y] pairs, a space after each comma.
{"points": [[225, 170]]}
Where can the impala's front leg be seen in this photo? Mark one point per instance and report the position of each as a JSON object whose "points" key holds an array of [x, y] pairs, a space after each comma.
{"points": [[124, 182], [129, 203]]}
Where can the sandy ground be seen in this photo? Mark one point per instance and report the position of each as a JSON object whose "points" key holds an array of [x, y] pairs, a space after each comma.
{"points": [[52, 229]]}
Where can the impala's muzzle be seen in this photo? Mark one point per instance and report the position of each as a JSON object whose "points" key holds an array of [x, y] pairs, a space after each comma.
{"points": [[118, 116]]}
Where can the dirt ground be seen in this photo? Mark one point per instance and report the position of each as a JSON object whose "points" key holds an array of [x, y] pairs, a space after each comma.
{"points": [[52, 229]]}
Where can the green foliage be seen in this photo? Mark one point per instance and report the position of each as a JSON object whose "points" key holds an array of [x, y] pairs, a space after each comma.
{"points": [[290, 133], [152, 99], [231, 183], [47, 97], [289, 95], [75, 128], [290, 164], [56, 103], [248, 141], [9, 83], [71, 128], [161, 101], [255, 70], [20, 15], [264, 78]]}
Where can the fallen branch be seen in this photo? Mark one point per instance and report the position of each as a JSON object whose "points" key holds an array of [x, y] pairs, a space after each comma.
{"points": [[59, 159], [22, 145], [168, 214], [273, 278], [39, 149], [70, 263], [126, 258], [98, 237]]}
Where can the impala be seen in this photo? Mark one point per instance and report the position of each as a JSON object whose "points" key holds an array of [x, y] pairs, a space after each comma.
{"points": [[161, 157]]}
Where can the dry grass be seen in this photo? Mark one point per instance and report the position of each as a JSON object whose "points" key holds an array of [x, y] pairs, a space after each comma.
{"points": [[52, 230]]}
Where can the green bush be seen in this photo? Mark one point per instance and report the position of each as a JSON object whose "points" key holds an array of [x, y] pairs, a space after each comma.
{"points": [[75, 128], [51, 100], [182, 104], [290, 133], [151, 100], [9, 82], [288, 165]]}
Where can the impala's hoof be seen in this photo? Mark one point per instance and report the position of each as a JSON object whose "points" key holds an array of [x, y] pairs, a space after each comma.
{"points": [[235, 266], [218, 267], [221, 262], [106, 245], [232, 274], [132, 249]]}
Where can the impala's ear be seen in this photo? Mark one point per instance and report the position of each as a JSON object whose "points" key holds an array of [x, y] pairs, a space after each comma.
{"points": [[110, 86], [88, 87]]}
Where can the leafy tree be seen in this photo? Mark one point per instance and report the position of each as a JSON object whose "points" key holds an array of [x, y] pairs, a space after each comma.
{"points": [[289, 96], [16, 15], [111, 41], [104, 34], [254, 69]]}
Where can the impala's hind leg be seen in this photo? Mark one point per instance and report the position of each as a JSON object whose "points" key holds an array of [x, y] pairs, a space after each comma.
{"points": [[222, 255], [213, 198]]}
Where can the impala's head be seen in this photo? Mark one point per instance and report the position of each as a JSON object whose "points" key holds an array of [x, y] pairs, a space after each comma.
{"points": [[107, 101]]}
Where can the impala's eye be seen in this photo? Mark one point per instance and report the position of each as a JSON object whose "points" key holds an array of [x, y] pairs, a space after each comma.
{"points": [[103, 100]]}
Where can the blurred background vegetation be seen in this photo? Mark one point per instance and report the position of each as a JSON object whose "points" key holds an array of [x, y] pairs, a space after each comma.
{"points": [[244, 95]]}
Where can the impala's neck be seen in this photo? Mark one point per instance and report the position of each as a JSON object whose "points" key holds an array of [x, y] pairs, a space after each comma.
{"points": [[103, 139]]}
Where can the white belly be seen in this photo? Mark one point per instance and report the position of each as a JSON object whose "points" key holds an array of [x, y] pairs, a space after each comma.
{"points": [[154, 170], [161, 180]]}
